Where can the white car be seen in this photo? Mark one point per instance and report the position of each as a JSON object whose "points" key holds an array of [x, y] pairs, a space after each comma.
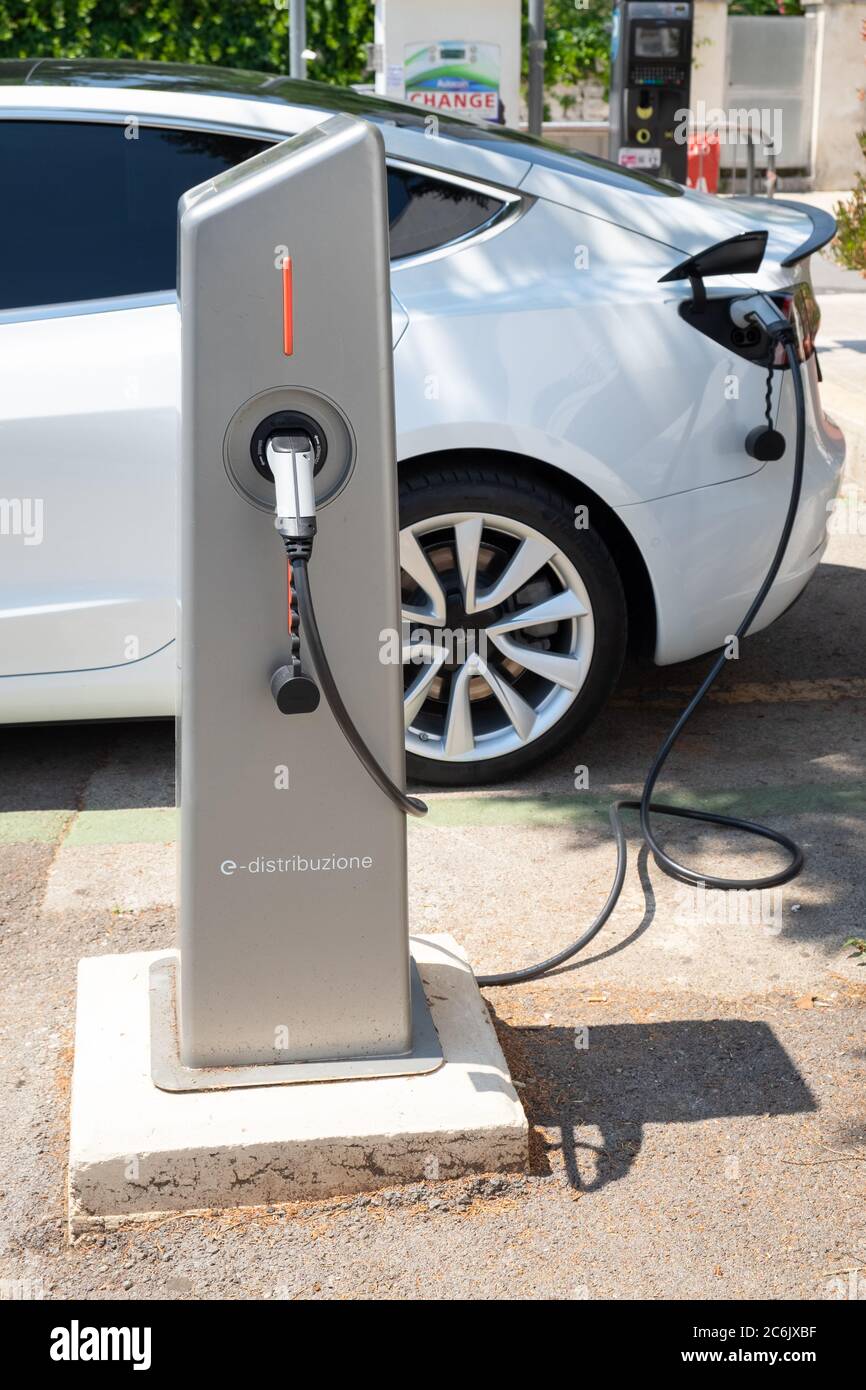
{"points": [[572, 466]]}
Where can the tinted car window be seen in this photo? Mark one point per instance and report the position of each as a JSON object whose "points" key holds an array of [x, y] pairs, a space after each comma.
{"points": [[91, 209], [424, 212]]}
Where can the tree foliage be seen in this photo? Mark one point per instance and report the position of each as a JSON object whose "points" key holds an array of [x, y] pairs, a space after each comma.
{"points": [[765, 7], [234, 33], [578, 40]]}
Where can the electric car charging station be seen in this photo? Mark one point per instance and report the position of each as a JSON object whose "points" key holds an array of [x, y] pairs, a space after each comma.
{"points": [[301, 1043], [286, 341], [294, 962]]}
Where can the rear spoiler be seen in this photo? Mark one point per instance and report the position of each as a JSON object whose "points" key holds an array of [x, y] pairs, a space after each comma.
{"points": [[823, 230]]}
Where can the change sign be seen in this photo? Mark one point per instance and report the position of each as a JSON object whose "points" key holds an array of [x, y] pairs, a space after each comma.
{"points": [[460, 79]]}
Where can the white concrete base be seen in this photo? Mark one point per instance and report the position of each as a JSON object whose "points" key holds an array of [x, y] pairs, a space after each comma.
{"points": [[137, 1151]]}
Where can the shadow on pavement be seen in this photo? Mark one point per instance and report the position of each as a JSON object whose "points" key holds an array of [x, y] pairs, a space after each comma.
{"points": [[618, 1078], [47, 767]]}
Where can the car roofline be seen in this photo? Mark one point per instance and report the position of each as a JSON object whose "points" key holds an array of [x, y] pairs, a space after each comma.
{"points": [[234, 115], [263, 102]]}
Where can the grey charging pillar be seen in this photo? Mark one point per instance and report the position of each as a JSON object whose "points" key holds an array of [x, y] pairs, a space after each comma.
{"points": [[292, 892]]}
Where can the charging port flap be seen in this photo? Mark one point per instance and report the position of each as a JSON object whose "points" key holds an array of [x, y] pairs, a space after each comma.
{"points": [[738, 255]]}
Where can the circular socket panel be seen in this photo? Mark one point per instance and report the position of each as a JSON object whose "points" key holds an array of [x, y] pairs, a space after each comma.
{"points": [[336, 454], [282, 422]]}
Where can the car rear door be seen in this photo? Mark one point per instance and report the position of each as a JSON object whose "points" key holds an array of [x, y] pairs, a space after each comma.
{"points": [[88, 384]]}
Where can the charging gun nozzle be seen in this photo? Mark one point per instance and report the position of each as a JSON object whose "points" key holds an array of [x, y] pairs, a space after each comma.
{"points": [[290, 458]]}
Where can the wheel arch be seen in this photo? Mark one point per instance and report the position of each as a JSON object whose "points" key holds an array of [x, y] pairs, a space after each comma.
{"points": [[640, 597]]}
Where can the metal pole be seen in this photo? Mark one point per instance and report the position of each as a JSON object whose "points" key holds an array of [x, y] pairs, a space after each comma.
{"points": [[771, 170], [536, 66], [297, 38]]}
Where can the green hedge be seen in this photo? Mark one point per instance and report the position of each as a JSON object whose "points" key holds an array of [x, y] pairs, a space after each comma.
{"points": [[234, 33], [780, 7]]}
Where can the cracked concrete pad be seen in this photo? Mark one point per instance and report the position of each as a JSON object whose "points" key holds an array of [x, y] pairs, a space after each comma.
{"points": [[136, 1151]]}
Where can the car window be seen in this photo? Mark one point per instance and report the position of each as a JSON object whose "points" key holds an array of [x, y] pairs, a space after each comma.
{"points": [[425, 212], [90, 208]]}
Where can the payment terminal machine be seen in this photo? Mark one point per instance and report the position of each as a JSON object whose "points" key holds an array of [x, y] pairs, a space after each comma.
{"points": [[651, 57]]}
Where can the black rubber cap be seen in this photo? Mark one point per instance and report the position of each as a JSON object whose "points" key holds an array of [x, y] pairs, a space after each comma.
{"points": [[292, 693], [764, 444]]}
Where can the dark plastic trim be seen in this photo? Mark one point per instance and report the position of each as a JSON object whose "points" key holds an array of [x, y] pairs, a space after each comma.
{"points": [[738, 255], [823, 230]]}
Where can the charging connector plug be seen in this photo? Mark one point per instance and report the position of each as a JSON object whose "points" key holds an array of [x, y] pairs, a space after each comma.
{"points": [[290, 459], [759, 311], [764, 442]]}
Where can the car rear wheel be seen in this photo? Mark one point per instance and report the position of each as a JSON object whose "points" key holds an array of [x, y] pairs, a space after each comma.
{"points": [[514, 621]]}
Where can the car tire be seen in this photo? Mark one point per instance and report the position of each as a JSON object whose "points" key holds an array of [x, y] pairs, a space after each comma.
{"points": [[443, 509]]}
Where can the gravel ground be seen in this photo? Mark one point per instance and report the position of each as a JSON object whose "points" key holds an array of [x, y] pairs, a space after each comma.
{"points": [[696, 1101]]}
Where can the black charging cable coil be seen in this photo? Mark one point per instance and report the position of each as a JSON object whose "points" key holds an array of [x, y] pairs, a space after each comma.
{"points": [[645, 806]]}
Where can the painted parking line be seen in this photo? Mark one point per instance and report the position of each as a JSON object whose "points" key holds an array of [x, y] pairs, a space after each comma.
{"points": [[145, 825], [33, 827], [582, 807], [752, 693], [136, 825], [125, 860], [158, 825], [91, 872]]}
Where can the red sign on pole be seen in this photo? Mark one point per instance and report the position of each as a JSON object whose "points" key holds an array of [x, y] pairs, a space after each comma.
{"points": [[703, 162]]}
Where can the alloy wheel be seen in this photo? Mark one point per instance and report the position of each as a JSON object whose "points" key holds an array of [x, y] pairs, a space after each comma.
{"points": [[498, 635]]}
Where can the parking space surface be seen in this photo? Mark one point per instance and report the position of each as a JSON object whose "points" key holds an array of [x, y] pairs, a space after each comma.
{"points": [[694, 1083]]}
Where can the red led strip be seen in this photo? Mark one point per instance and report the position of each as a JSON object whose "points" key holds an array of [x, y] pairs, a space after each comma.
{"points": [[288, 325]]}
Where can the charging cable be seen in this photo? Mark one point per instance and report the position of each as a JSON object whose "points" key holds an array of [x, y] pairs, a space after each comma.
{"points": [[410, 805], [752, 309], [290, 459], [781, 331]]}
